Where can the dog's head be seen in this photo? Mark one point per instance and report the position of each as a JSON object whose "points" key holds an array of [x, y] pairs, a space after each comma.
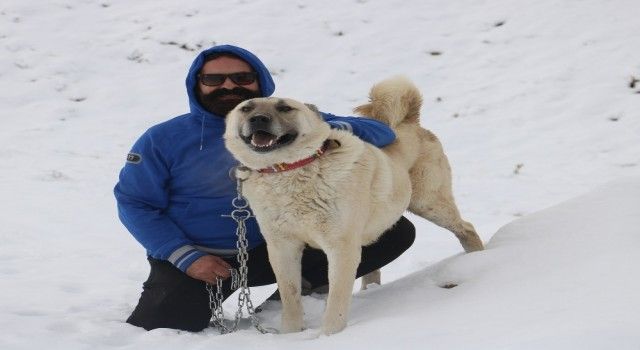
{"points": [[264, 131]]}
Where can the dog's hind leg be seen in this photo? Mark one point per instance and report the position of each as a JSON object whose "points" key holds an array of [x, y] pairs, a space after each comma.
{"points": [[432, 198], [343, 258], [370, 278], [285, 256], [444, 213]]}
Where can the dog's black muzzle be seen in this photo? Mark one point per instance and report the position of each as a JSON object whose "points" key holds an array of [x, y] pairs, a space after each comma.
{"points": [[261, 137], [259, 122]]}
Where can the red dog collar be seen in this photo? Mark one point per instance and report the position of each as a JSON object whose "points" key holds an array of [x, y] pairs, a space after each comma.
{"points": [[280, 167]]}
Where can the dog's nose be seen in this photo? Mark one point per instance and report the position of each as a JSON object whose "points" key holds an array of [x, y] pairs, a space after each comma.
{"points": [[259, 121]]}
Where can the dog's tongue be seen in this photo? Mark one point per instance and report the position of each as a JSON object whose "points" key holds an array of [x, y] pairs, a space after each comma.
{"points": [[262, 139]]}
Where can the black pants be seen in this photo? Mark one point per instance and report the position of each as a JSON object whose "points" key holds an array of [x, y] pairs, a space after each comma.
{"points": [[171, 299]]}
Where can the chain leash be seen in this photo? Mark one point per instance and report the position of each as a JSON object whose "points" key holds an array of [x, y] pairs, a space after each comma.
{"points": [[239, 279], [215, 302]]}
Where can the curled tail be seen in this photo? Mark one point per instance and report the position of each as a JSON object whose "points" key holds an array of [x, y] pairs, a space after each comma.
{"points": [[393, 101]]}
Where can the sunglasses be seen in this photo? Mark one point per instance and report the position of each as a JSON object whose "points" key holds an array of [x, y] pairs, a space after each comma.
{"points": [[241, 78]]}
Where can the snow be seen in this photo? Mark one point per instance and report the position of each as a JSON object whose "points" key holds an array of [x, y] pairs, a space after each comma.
{"points": [[532, 101]]}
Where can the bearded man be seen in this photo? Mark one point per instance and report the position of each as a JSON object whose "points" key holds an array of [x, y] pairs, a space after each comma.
{"points": [[175, 187]]}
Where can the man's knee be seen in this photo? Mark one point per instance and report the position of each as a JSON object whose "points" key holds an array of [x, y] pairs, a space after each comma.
{"points": [[404, 234], [400, 236]]}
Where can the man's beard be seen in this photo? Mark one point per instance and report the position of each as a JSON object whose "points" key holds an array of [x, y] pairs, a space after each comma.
{"points": [[218, 103]]}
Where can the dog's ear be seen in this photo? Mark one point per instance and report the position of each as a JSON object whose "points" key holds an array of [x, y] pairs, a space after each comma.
{"points": [[312, 107]]}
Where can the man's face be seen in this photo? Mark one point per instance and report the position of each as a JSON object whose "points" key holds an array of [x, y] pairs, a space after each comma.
{"points": [[223, 98]]}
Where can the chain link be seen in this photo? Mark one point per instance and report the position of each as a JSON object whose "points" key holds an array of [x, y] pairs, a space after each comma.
{"points": [[239, 280], [215, 302]]}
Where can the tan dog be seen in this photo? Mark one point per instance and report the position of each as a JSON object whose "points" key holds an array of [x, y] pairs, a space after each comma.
{"points": [[314, 185]]}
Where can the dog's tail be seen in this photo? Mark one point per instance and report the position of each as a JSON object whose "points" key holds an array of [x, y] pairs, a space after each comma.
{"points": [[393, 101]]}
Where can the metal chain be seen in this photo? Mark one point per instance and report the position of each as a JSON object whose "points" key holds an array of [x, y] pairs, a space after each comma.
{"points": [[239, 280], [215, 302]]}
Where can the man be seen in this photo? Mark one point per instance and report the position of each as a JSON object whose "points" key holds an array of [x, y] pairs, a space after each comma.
{"points": [[175, 187]]}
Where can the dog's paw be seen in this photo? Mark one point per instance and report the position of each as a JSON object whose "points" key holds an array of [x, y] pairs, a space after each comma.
{"points": [[471, 243], [333, 327], [291, 329], [291, 325]]}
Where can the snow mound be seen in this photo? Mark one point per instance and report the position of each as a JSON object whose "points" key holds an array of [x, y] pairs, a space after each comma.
{"points": [[561, 278]]}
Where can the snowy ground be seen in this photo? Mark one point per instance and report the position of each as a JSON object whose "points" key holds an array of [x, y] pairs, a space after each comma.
{"points": [[533, 101]]}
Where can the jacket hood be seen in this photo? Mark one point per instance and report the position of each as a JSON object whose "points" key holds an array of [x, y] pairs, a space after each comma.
{"points": [[264, 77]]}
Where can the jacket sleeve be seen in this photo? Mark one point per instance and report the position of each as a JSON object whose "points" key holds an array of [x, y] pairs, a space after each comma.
{"points": [[142, 196], [369, 130]]}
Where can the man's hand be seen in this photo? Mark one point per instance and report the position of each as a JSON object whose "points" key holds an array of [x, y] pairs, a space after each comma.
{"points": [[207, 268]]}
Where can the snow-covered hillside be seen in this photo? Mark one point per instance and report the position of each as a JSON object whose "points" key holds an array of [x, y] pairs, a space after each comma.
{"points": [[536, 102]]}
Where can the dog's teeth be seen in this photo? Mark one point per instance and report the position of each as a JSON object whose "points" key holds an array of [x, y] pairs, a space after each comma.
{"points": [[256, 142], [262, 146]]}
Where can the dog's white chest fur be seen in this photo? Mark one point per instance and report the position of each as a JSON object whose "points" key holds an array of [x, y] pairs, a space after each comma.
{"points": [[306, 204], [290, 203]]}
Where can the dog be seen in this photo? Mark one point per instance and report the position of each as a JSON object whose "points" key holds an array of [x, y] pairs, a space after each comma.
{"points": [[309, 184]]}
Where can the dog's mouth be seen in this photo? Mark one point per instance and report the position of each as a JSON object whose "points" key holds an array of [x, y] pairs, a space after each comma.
{"points": [[263, 141]]}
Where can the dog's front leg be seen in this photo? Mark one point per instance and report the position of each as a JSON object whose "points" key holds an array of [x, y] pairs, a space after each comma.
{"points": [[343, 258], [285, 256]]}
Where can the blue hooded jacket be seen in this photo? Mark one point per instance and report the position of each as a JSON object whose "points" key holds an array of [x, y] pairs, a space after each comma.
{"points": [[175, 185]]}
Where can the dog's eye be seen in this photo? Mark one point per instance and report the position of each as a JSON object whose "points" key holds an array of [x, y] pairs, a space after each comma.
{"points": [[246, 108], [284, 108]]}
